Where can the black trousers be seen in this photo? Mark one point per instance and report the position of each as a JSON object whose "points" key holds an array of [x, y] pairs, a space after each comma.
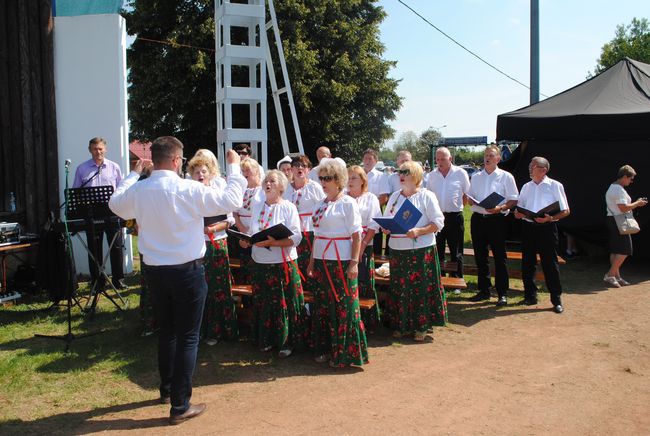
{"points": [[489, 232], [542, 239], [452, 234], [95, 245]]}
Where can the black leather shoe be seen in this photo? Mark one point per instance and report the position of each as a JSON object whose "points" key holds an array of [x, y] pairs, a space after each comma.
{"points": [[503, 301], [119, 284], [481, 296], [529, 301], [192, 412], [558, 308]]}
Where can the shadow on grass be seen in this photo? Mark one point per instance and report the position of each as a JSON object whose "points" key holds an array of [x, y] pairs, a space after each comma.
{"points": [[76, 422]]}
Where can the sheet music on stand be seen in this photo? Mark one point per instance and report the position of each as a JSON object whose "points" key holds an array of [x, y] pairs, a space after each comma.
{"points": [[91, 204]]}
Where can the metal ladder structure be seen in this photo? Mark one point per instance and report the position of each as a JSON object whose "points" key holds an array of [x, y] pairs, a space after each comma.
{"points": [[242, 43]]}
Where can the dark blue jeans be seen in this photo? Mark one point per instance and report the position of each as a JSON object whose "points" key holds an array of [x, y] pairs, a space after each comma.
{"points": [[178, 293]]}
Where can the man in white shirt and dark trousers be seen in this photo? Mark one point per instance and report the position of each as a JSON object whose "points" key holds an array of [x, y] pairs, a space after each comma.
{"points": [[540, 234], [488, 227], [450, 183], [378, 185], [169, 211]]}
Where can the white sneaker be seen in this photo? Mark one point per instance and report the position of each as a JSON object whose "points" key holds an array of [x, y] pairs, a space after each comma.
{"points": [[621, 281], [211, 342], [285, 352], [611, 281]]}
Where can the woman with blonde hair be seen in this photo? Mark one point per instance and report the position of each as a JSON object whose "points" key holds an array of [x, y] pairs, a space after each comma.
{"points": [[219, 315], [368, 208], [337, 331], [277, 290], [417, 301], [251, 170]]}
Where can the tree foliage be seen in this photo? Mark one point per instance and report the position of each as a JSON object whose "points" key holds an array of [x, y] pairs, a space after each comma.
{"points": [[340, 82], [631, 41]]}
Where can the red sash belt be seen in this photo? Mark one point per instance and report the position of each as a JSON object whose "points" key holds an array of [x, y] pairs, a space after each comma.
{"points": [[340, 265], [285, 266]]}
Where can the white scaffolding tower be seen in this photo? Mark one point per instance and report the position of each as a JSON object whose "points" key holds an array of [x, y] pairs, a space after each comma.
{"points": [[242, 44]]}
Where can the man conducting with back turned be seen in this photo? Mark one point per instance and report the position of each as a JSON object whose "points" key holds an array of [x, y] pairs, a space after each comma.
{"points": [[169, 211]]}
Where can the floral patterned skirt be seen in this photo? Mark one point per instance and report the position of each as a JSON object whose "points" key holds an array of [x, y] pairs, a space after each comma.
{"points": [[279, 306], [337, 328], [219, 316], [417, 301], [370, 317], [304, 254]]}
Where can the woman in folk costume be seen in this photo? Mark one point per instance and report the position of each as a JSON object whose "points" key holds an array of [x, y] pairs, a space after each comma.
{"points": [[368, 208], [278, 297], [337, 331], [219, 315], [417, 301], [304, 194], [251, 170]]}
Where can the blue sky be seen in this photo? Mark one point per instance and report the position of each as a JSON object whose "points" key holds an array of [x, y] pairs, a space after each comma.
{"points": [[441, 84]]}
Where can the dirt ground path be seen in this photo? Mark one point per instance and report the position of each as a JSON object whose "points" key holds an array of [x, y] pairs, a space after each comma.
{"points": [[522, 370]]}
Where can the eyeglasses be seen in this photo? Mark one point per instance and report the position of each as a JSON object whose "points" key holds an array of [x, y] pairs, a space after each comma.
{"points": [[242, 152], [298, 165], [326, 178], [532, 167], [183, 159], [404, 172]]}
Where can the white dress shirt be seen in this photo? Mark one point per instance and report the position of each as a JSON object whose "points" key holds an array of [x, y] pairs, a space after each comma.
{"points": [[340, 219], [305, 199], [313, 174], [283, 212], [449, 189], [425, 201], [368, 208], [483, 184], [393, 182], [535, 196], [378, 183], [170, 210], [616, 195]]}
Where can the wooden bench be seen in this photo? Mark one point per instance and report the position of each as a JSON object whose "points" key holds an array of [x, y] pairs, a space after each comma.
{"points": [[447, 282], [247, 291]]}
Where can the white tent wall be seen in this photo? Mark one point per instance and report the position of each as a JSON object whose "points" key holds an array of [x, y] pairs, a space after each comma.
{"points": [[91, 99]]}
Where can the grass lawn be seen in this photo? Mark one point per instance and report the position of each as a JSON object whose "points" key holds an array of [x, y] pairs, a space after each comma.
{"points": [[44, 389]]}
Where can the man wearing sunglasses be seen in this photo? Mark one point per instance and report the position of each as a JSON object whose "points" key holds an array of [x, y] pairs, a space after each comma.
{"points": [[169, 211]]}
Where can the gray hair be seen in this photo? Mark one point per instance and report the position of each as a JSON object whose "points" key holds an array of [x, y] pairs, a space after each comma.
{"points": [[542, 162], [280, 177]]}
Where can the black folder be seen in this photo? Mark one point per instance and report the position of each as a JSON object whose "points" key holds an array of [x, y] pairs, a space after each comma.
{"points": [[551, 209], [489, 202], [278, 231], [210, 220]]}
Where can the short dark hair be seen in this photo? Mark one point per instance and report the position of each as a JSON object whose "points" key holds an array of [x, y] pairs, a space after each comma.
{"points": [[371, 152], [96, 140], [302, 159], [164, 149], [242, 146]]}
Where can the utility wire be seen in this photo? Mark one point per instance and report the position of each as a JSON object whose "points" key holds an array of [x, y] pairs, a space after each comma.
{"points": [[175, 44], [465, 48]]}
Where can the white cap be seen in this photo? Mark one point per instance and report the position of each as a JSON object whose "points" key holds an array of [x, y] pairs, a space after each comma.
{"points": [[286, 159]]}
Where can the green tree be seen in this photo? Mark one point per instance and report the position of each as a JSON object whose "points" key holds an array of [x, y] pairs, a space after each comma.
{"points": [[631, 41], [340, 82], [427, 140]]}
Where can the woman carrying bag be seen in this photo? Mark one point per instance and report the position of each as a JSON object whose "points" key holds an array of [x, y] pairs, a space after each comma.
{"points": [[619, 203]]}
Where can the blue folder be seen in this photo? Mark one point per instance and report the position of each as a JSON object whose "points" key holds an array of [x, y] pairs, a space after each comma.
{"points": [[404, 220]]}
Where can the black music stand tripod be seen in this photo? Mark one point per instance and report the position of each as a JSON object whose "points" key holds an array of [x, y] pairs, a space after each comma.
{"points": [[91, 204]]}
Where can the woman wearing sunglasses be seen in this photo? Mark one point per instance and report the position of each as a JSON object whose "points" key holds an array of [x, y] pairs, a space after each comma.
{"points": [[417, 301], [337, 330], [304, 194]]}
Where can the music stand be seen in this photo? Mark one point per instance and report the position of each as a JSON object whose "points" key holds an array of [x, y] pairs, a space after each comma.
{"points": [[91, 204]]}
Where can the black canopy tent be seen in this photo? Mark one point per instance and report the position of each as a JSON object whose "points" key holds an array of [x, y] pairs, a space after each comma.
{"points": [[587, 133]]}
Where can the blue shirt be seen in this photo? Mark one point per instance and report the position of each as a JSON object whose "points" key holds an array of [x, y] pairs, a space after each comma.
{"points": [[110, 174]]}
